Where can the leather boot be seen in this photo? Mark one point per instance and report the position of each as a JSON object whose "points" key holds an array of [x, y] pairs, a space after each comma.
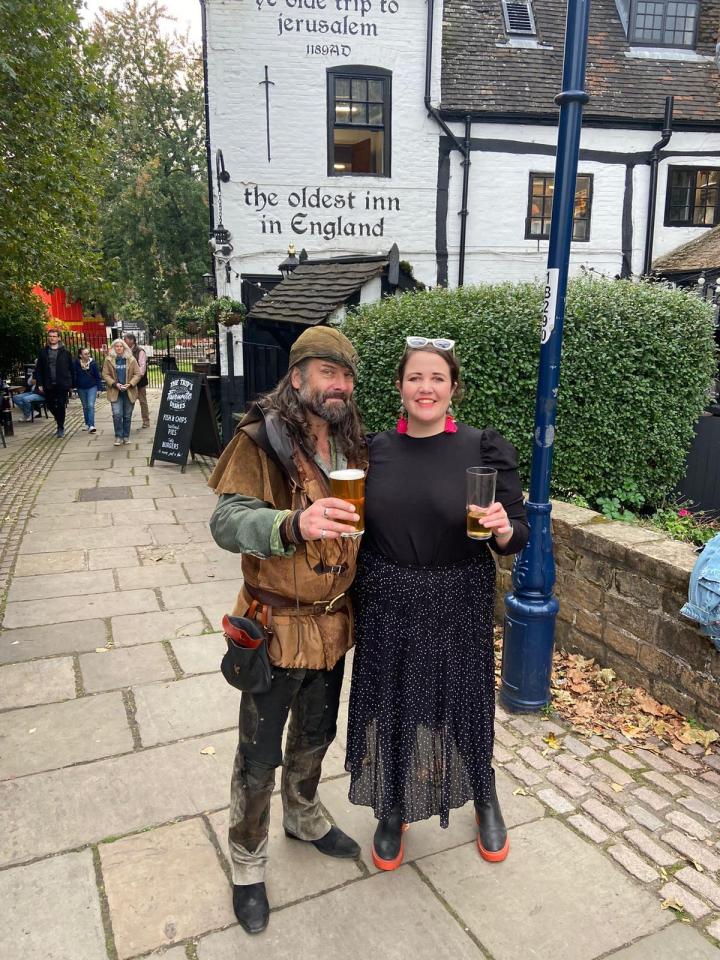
{"points": [[251, 906], [335, 843], [492, 838], [387, 848]]}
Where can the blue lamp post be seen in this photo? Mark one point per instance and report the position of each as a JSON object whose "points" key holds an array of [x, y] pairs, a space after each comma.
{"points": [[530, 607]]}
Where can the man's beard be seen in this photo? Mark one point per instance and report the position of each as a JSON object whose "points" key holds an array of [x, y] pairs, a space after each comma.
{"points": [[325, 405]]}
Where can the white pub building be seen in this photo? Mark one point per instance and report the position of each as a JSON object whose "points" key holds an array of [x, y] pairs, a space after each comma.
{"points": [[345, 127]]}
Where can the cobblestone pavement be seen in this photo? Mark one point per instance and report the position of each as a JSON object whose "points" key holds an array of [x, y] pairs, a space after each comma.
{"points": [[118, 736]]}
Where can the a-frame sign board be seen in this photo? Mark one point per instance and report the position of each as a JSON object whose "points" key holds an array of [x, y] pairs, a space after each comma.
{"points": [[186, 421]]}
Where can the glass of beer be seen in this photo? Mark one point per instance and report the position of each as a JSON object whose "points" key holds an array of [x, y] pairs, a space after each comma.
{"points": [[349, 485], [480, 495]]}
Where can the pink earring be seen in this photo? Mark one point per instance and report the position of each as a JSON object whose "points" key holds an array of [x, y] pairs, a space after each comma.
{"points": [[402, 424], [450, 421]]}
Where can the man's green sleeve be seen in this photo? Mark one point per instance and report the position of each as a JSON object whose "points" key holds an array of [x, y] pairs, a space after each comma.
{"points": [[243, 524]]}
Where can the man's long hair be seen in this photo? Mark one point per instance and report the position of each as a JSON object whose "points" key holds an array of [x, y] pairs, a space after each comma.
{"points": [[284, 400]]}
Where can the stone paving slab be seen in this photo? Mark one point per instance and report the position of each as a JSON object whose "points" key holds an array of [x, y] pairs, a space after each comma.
{"points": [[159, 575], [51, 812], [204, 571], [27, 642], [59, 734], [553, 890], [394, 916], [38, 526], [425, 838], [189, 508], [677, 942], [141, 518], [199, 654], [29, 613], [28, 684], [128, 630], [74, 584], [150, 901], [185, 708], [67, 539], [63, 561], [112, 558], [296, 870], [202, 594], [125, 667], [51, 911]]}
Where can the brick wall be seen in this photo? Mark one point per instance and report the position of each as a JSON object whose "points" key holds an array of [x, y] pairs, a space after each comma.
{"points": [[620, 589]]}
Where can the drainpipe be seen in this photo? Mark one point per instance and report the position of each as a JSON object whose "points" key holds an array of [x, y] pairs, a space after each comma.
{"points": [[462, 146], [652, 196], [464, 212]]}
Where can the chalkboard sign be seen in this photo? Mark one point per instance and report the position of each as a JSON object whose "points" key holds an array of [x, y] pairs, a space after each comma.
{"points": [[186, 421]]}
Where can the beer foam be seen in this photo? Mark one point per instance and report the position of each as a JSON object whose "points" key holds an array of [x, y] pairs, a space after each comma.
{"points": [[347, 475]]}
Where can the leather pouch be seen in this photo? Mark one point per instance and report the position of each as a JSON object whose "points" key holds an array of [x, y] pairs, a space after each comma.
{"points": [[245, 665]]}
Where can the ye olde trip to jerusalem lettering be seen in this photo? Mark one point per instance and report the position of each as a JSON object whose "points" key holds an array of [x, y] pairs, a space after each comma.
{"points": [[345, 24], [305, 199]]}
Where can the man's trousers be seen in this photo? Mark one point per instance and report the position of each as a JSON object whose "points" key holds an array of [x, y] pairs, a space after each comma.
{"points": [[311, 697]]}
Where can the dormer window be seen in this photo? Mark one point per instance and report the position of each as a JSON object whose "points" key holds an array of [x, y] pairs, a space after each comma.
{"points": [[664, 23], [519, 19]]}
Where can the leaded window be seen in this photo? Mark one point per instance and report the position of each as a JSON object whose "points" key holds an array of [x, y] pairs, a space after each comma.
{"points": [[359, 100], [693, 196], [540, 203], [664, 23]]}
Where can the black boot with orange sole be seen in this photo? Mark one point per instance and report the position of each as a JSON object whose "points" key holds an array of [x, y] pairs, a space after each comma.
{"points": [[388, 848], [492, 838]]}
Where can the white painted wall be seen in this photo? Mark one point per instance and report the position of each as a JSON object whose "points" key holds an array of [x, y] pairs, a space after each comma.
{"points": [[244, 36], [262, 197]]}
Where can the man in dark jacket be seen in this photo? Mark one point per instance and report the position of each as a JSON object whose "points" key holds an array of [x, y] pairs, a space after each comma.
{"points": [[55, 378]]}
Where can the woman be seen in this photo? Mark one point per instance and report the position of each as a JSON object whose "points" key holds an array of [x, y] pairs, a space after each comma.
{"points": [[121, 373], [87, 383], [420, 729]]}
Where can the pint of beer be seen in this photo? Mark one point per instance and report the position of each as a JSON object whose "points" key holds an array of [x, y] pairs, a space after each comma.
{"points": [[350, 485], [480, 495]]}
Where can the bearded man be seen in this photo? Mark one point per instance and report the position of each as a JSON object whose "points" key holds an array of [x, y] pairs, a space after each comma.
{"points": [[275, 510]]}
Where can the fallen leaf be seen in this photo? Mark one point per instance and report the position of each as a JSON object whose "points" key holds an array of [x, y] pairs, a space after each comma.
{"points": [[520, 792], [208, 751], [698, 866], [101, 649], [552, 741], [606, 676], [674, 905], [618, 788]]}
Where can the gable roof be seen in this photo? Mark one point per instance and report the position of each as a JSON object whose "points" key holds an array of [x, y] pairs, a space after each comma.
{"points": [[483, 75], [695, 256], [315, 289]]}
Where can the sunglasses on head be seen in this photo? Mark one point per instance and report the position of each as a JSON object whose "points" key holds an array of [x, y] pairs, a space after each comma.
{"points": [[441, 343]]}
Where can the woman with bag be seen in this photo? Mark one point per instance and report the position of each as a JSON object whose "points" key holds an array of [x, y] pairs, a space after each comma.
{"points": [[87, 384], [121, 373], [420, 729]]}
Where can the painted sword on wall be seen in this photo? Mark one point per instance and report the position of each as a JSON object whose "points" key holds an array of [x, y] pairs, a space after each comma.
{"points": [[267, 83]]}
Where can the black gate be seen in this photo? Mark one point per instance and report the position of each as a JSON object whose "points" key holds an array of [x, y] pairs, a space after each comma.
{"points": [[263, 366]]}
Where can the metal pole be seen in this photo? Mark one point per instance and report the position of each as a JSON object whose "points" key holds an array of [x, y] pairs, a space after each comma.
{"points": [[531, 608]]}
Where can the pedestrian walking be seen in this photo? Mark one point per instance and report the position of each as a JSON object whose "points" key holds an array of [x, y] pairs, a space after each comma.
{"points": [[54, 372], [141, 357], [87, 384], [121, 373], [276, 510], [422, 700]]}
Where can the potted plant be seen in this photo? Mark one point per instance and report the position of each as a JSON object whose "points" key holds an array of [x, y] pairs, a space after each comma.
{"points": [[225, 310]]}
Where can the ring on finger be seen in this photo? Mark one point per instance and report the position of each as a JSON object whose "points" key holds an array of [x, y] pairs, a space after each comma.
{"points": [[325, 513], [322, 534]]}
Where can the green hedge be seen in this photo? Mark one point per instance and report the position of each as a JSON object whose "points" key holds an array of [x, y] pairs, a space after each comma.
{"points": [[637, 361]]}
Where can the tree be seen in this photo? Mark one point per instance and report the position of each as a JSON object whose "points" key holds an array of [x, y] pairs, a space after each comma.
{"points": [[154, 211], [51, 144]]}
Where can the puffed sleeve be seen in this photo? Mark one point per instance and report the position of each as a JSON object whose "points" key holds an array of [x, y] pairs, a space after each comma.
{"points": [[500, 453]]}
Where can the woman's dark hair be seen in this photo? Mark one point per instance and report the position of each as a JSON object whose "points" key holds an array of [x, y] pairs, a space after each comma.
{"points": [[84, 347], [449, 358], [284, 401]]}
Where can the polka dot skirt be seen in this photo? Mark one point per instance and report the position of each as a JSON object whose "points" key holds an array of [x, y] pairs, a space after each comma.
{"points": [[422, 701]]}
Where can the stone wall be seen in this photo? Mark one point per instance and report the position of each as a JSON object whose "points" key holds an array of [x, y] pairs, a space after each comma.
{"points": [[620, 589]]}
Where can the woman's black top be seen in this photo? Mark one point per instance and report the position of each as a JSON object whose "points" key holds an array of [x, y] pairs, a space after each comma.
{"points": [[415, 497]]}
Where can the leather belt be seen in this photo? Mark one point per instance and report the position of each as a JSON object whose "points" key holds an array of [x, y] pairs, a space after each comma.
{"points": [[266, 603]]}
